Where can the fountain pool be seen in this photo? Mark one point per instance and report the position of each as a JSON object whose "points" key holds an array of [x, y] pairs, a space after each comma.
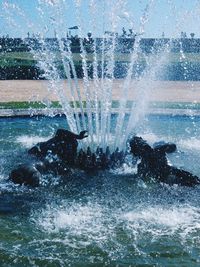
{"points": [[105, 219]]}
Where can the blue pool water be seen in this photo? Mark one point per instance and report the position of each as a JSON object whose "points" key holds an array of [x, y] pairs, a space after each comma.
{"points": [[105, 219]]}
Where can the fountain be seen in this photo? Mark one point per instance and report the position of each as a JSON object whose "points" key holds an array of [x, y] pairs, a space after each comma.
{"points": [[89, 104], [106, 86]]}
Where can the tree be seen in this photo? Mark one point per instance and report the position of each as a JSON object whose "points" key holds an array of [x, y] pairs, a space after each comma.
{"points": [[192, 35]]}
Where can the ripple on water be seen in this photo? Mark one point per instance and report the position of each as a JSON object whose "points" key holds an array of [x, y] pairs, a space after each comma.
{"points": [[144, 232]]}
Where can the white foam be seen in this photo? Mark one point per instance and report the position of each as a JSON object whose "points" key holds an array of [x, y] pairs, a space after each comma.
{"points": [[192, 143], [77, 225], [185, 218], [28, 141], [77, 218], [150, 137], [186, 143], [125, 169]]}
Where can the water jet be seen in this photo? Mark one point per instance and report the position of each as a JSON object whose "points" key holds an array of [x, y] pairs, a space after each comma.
{"points": [[112, 86]]}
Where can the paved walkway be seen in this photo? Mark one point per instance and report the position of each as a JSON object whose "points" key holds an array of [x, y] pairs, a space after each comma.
{"points": [[161, 91], [174, 91]]}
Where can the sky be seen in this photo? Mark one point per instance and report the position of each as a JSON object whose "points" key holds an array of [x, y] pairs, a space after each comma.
{"points": [[150, 18]]}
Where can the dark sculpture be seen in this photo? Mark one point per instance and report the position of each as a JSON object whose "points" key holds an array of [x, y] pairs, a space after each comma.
{"points": [[63, 146], [154, 163], [55, 156], [60, 153], [26, 174], [99, 160]]}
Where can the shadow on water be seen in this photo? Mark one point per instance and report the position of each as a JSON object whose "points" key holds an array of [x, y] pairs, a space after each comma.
{"points": [[109, 218]]}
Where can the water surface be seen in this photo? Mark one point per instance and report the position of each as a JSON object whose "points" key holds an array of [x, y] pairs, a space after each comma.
{"points": [[105, 219]]}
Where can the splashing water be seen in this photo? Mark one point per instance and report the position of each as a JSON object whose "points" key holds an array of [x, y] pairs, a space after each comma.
{"points": [[88, 104], [111, 219], [106, 219]]}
